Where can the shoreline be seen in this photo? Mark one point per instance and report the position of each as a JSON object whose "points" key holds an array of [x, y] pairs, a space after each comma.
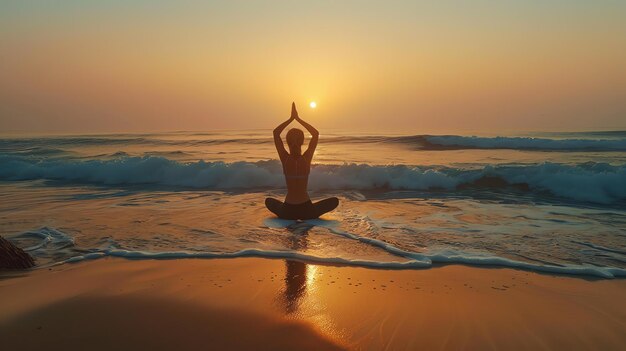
{"points": [[582, 271], [309, 306]]}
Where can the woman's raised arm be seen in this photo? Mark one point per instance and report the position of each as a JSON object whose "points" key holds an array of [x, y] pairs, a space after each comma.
{"points": [[314, 133], [278, 141]]}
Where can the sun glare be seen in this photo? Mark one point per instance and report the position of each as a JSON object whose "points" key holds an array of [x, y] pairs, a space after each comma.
{"points": [[313, 104]]}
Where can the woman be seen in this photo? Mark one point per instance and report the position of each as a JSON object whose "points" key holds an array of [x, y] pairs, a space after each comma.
{"points": [[296, 167]]}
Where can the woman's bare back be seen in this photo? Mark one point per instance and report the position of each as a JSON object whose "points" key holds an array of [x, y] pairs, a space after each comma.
{"points": [[296, 170]]}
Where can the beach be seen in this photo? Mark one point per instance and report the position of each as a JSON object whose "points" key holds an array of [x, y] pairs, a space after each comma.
{"points": [[273, 304]]}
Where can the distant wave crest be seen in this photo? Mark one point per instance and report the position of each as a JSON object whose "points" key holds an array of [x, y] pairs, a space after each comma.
{"points": [[612, 141], [592, 182], [523, 143]]}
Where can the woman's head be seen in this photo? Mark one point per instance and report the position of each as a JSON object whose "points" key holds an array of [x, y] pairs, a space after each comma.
{"points": [[295, 139]]}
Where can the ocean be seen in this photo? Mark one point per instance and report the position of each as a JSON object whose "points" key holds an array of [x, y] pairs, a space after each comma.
{"points": [[547, 202]]}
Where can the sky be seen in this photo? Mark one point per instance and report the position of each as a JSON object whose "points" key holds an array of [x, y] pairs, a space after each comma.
{"points": [[410, 66]]}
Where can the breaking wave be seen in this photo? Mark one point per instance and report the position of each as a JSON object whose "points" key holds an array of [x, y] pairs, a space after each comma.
{"points": [[589, 182]]}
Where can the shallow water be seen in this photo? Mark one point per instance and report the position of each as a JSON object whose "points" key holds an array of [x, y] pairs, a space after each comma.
{"points": [[547, 202]]}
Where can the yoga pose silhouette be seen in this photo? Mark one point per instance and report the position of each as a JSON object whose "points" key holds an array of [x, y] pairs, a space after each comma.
{"points": [[296, 167]]}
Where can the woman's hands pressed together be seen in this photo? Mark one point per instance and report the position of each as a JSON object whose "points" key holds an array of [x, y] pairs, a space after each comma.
{"points": [[294, 112]]}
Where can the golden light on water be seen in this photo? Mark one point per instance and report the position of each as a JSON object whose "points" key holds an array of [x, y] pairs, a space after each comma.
{"points": [[313, 104]]}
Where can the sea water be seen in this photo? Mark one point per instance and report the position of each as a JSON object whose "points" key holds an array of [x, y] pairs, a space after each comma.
{"points": [[550, 202]]}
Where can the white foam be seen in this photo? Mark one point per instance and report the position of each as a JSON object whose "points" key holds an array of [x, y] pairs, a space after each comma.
{"points": [[593, 182], [46, 238], [452, 257], [407, 259], [249, 253], [412, 260]]}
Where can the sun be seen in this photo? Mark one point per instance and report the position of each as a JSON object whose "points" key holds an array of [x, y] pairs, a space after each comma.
{"points": [[313, 104]]}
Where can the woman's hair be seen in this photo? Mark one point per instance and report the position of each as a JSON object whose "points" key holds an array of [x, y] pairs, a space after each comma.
{"points": [[295, 139]]}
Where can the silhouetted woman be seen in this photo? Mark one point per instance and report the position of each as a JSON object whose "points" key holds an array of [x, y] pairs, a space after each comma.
{"points": [[296, 167]]}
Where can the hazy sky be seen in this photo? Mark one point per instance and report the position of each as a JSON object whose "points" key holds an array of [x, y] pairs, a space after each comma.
{"points": [[414, 66]]}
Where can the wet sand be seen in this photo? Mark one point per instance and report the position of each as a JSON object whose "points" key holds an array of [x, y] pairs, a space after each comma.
{"points": [[251, 303]]}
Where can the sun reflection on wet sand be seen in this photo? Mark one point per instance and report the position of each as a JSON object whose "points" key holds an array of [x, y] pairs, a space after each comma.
{"points": [[310, 276], [300, 297], [295, 271]]}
